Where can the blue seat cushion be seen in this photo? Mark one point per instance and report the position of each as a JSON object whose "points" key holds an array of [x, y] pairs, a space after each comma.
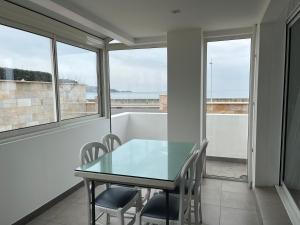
{"points": [[156, 207], [115, 197]]}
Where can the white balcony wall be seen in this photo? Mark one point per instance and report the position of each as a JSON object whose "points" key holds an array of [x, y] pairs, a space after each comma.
{"points": [[119, 125], [140, 125], [227, 134]]}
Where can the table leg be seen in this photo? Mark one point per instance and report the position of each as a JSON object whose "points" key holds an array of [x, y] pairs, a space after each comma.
{"points": [[167, 207], [93, 202]]}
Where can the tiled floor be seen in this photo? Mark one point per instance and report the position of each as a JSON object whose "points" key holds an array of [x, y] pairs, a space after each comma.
{"points": [[226, 169], [223, 202]]}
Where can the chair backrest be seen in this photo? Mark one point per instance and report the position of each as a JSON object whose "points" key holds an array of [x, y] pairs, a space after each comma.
{"points": [[186, 180], [92, 151], [111, 141], [200, 162]]}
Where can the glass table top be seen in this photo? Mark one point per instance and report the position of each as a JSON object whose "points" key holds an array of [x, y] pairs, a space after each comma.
{"points": [[152, 159]]}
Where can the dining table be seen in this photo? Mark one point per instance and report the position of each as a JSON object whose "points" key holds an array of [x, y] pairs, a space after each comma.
{"points": [[139, 162]]}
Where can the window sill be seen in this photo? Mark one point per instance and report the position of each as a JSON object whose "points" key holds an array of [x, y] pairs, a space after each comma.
{"points": [[31, 132]]}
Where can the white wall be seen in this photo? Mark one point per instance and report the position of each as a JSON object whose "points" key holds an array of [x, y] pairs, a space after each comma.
{"points": [[270, 92], [140, 125], [119, 125], [37, 169], [148, 126], [184, 84], [227, 135], [269, 103]]}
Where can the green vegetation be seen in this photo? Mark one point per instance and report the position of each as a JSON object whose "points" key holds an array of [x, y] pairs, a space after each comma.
{"points": [[25, 75], [29, 75]]}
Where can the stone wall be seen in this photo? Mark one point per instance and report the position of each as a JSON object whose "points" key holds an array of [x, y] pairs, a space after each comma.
{"points": [[218, 106], [29, 103], [163, 103]]}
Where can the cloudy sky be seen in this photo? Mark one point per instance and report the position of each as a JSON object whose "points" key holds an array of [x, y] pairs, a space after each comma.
{"points": [[133, 70], [23, 50], [139, 70], [230, 68], [146, 70]]}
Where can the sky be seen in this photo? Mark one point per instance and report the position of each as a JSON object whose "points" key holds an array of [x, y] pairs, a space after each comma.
{"points": [[230, 72], [24, 50], [138, 70], [145, 70]]}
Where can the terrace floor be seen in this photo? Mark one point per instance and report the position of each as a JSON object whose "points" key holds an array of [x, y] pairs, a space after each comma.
{"points": [[223, 202], [236, 170]]}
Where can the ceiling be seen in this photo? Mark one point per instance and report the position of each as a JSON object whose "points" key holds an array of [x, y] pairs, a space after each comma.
{"points": [[130, 19]]}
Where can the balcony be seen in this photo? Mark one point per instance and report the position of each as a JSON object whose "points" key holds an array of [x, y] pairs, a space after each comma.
{"points": [[227, 135]]}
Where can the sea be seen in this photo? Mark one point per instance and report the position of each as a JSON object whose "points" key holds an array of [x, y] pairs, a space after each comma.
{"points": [[128, 95]]}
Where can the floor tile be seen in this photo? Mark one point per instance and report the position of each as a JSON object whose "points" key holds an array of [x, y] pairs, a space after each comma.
{"points": [[219, 206], [37, 221], [51, 213], [73, 214], [230, 216], [238, 200], [237, 187], [283, 221], [211, 196], [211, 214], [213, 184]]}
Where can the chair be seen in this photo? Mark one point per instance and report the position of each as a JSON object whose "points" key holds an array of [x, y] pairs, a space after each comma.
{"points": [[113, 201], [196, 193], [179, 205], [109, 141], [196, 184], [112, 141]]}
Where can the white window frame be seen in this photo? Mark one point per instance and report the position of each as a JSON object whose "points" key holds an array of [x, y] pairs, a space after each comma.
{"points": [[227, 35], [94, 44]]}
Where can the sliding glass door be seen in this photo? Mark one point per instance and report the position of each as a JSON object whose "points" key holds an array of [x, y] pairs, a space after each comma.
{"points": [[291, 131]]}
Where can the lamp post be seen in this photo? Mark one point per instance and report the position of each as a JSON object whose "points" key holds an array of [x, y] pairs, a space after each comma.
{"points": [[211, 79]]}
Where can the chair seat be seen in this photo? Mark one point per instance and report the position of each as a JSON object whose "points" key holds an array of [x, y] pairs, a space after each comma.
{"points": [[156, 207], [177, 189], [115, 197]]}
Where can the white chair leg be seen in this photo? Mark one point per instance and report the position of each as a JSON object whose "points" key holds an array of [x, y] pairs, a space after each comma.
{"points": [[121, 218], [147, 196], [107, 219], [138, 218], [139, 203], [200, 205], [189, 219], [196, 212]]}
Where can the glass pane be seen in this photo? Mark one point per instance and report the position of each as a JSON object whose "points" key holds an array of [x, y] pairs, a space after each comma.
{"points": [[26, 81], [228, 71], [292, 145], [138, 80], [144, 158], [77, 73]]}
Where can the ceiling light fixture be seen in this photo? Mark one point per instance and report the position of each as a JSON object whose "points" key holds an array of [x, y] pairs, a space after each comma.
{"points": [[176, 11]]}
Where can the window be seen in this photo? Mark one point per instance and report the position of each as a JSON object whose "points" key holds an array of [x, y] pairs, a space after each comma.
{"points": [[138, 80], [291, 134], [77, 76], [27, 85], [27, 95]]}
